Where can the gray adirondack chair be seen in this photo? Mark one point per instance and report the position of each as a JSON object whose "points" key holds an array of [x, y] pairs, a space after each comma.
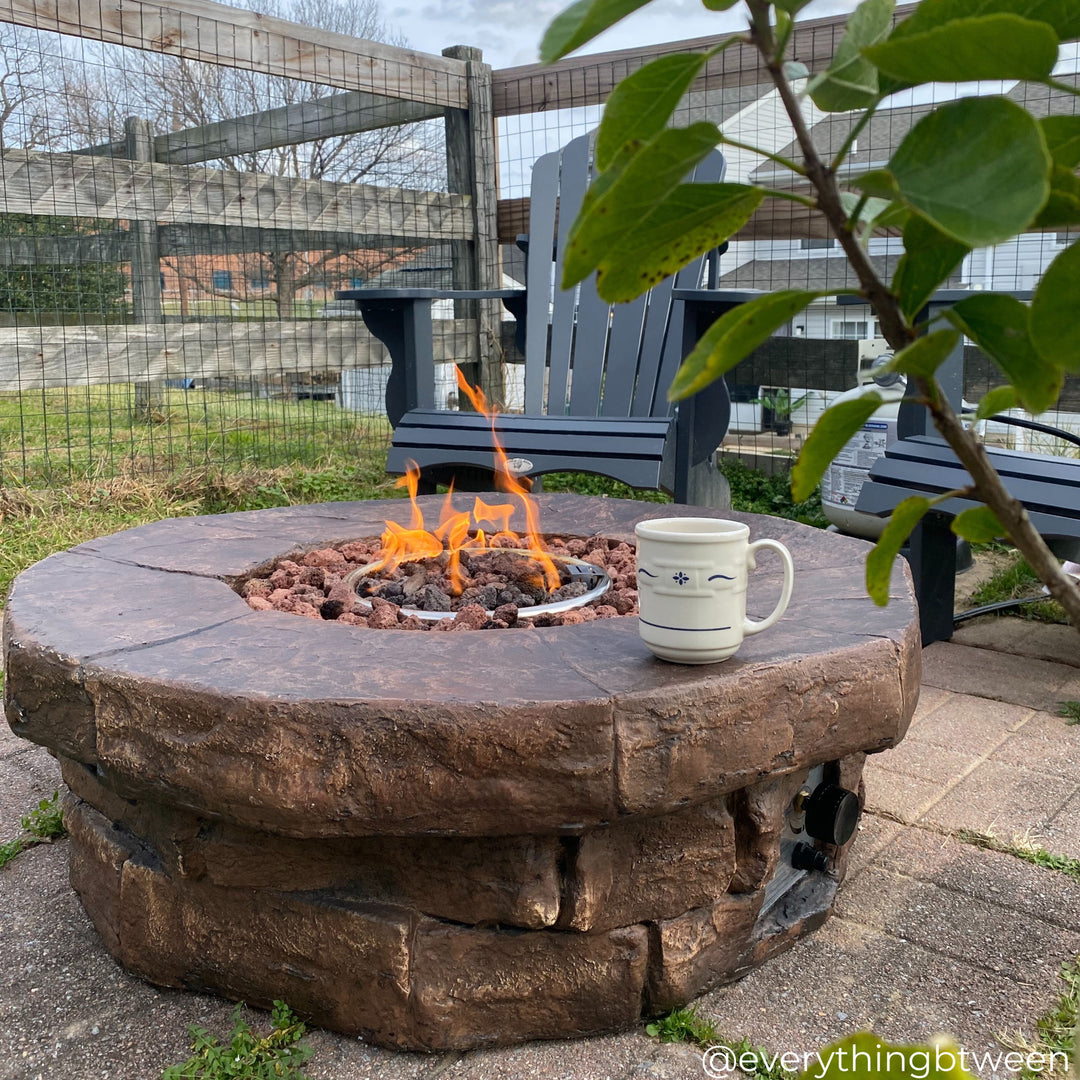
{"points": [[596, 375]]}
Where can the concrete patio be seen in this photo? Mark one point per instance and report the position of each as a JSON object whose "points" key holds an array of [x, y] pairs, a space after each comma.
{"points": [[932, 933]]}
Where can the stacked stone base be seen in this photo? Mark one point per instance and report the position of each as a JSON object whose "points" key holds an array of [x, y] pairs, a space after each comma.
{"points": [[436, 943]]}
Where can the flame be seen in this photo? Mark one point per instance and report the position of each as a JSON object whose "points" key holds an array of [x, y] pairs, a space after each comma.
{"points": [[450, 538], [506, 481]]}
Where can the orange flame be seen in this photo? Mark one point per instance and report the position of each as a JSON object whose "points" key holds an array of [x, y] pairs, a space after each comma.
{"points": [[507, 481], [451, 537]]}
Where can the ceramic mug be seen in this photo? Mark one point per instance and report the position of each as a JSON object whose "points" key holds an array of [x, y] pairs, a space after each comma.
{"points": [[691, 576]]}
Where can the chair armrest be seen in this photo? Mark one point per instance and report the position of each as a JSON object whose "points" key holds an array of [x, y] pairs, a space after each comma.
{"points": [[398, 295], [401, 320]]}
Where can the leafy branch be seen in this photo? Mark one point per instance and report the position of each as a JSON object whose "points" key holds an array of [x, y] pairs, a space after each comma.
{"points": [[974, 172]]}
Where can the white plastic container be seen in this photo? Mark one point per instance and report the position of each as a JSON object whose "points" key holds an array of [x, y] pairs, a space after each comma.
{"points": [[844, 478]]}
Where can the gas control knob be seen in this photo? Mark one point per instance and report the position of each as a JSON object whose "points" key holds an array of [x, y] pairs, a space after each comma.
{"points": [[832, 812]]}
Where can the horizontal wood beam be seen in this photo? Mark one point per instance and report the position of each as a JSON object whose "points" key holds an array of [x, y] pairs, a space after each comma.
{"points": [[775, 219], [99, 248], [203, 239], [70, 184], [36, 358], [589, 79], [322, 118], [220, 34]]}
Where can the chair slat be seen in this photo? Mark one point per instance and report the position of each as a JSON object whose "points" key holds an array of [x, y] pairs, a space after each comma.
{"points": [[545, 181], [573, 181]]}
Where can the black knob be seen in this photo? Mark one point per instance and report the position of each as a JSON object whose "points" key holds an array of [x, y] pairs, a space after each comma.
{"points": [[832, 812], [804, 857]]}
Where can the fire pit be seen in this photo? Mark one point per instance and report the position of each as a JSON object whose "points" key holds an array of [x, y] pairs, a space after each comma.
{"points": [[445, 840]]}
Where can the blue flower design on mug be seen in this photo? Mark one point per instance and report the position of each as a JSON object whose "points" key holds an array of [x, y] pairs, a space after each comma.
{"points": [[680, 578]]}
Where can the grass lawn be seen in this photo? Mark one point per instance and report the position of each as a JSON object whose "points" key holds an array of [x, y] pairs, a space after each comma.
{"points": [[83, 432]]}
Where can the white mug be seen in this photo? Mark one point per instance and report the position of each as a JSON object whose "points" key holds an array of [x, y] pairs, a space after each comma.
{"points": [[691, 575]]}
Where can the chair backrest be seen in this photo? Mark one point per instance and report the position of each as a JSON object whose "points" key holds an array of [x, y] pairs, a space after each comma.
{"points": [[603, 360]]}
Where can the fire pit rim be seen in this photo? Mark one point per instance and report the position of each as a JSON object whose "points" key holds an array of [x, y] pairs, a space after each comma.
{"points": [[594, 693]]}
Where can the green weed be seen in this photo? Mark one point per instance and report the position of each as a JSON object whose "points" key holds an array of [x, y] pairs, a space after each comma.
{"points": [[46, 820], [1014, 582], [278, 1055], [9, 850], [1056, 1029], [1021, 848], [684, 1025], [43, 825], [687, 1026], [1070, 710]]}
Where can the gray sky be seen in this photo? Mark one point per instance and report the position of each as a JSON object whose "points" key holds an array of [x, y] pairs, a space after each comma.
{"points": [[509, 31]]}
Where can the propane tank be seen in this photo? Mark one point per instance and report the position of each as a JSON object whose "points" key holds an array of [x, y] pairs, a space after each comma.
{"points": [[844, 478]]}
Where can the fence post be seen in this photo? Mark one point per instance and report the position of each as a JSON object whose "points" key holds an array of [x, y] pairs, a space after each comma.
{"points": [[471, 170], [145, 266]]}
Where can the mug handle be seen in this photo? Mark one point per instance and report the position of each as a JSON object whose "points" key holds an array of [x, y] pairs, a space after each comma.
{"points": [[750, 627]]}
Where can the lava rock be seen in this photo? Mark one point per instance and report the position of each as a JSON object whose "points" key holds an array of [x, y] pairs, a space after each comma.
{"points": [[507, 613], [432, 598]]}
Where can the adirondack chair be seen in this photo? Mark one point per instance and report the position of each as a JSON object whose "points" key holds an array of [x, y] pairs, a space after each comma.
{"points": [[596, 376], [920, 463]]}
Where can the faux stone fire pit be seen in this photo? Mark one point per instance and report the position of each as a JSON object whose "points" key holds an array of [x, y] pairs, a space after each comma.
{"points": [[442, 840]]}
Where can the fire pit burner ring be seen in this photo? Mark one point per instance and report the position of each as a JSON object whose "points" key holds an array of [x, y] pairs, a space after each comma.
{"points": [[595, 577]]}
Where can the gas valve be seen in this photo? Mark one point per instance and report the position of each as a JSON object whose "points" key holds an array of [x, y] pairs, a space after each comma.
{"points": [[832, 813]]}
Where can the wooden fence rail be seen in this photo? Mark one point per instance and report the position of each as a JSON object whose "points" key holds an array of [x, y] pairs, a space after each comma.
{"points": [[71, 184], [219, 34], [37, 358]]}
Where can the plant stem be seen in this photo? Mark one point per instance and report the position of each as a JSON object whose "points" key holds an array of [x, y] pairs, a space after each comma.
{"points": [[896, 330]]}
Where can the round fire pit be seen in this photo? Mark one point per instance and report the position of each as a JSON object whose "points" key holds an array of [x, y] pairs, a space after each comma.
{"points": [[446, 840]]}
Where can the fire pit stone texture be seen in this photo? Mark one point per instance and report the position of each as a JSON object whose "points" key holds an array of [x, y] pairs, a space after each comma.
{"points": [[442, 840]]}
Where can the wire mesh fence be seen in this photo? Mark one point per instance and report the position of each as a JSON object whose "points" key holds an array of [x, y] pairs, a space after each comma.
{"points": [[828, 350], [185, 190], [182, 196]]}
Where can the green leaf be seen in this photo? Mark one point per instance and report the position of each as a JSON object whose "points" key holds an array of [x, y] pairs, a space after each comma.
{"points": [[1062, 134], [1000, 399], [978, 168], [836, 425], [1000, 326], [1063, 16], [875, 213], [979, 524], [583, 21], [1062, 208], [792, 7], [693, 219], [925, 355], [879, 562], [734, 336], [879, 183], [985, 47], [719, 5], [615, 203], [1055, 328], [851, 81], [641, 105], [930, 256]]}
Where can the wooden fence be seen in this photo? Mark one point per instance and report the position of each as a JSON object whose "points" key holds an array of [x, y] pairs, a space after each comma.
{"points": [[174, 205]]}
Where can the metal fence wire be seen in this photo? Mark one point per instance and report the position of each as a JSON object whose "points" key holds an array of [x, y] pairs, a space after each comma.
{"points": [[185, 188]]}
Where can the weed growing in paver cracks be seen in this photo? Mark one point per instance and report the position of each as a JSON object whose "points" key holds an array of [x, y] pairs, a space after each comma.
{"points": [[1022, 848], [1056, 1030], [1070, 710], [43, 825], [247, 1056], [685, 1025]]}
